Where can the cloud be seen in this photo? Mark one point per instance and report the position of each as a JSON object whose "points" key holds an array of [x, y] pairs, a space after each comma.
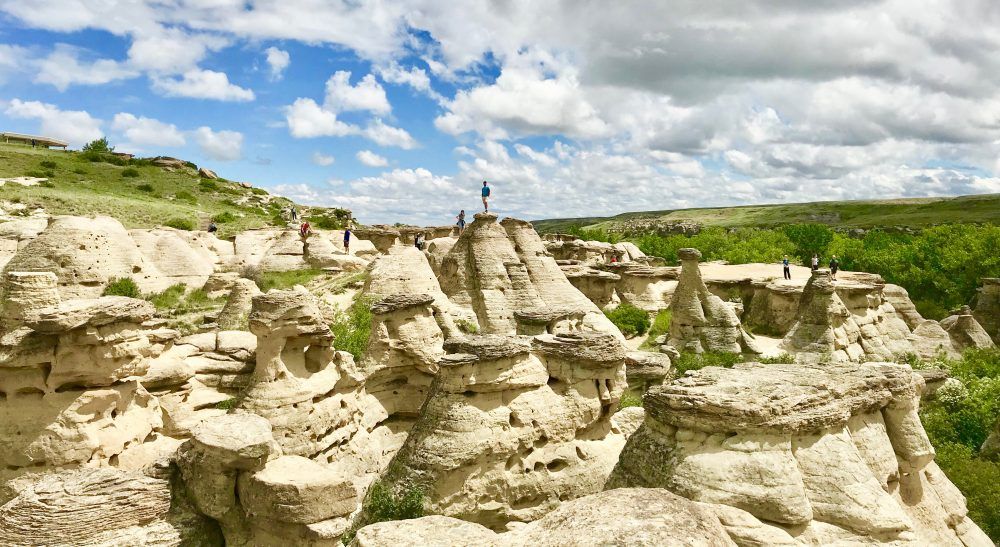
{"points": [[170, 50], [12, 59], [63, 68], [371, 159], [322, 159], [306, 119], [203, 84], [75, 126], [219, 145], [143, 131], [277, 61], [386, 135], [368, 94]]}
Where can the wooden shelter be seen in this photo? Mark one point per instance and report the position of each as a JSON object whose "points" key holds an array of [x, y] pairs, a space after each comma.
{"points": [[33, 140]]}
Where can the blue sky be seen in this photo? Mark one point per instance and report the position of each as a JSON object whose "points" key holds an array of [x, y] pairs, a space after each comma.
{"points": [[568, 109]]}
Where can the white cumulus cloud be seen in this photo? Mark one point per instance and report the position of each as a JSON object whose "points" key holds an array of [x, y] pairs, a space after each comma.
{"points": [[143, 131], [306, 119], [368, 94], [203, 84], [371, 159], [63, 68], [219, 145], [322, 159], [77, 127], [277, 61], [387, 135]]}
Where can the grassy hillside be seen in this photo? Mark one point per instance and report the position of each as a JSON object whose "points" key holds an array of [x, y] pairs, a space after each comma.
{"points": [[137, 193], [912, 212]]}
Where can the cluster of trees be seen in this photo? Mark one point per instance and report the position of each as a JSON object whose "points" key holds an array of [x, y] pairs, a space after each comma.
{"points": [[940, 267]]}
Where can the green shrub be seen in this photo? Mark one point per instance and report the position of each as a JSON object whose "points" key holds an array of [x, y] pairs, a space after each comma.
{"points": [[130, 172], [352, 328], [81, 171], [695, 361], [224, 217], [140, 162], [629, 319], [170, 298], [35, 174], [382, 505], [282, 280], [258, 191], [466, 326], [181, 223], [145, 188], [228, 404], [809, 239], [979, 481], [629, 399], [208, 185], [98, 146], [184, 195], [48, 164], [122, 286], [594, 235], [47, 184]]}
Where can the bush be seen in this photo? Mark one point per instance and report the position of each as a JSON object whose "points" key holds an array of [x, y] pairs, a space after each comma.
{"points": [[130, 172], [170, 298], [208, 185], [35, 174], [145, 188], [468, 327], [181, 224], [281, 280], [352, 328], [382, 505], [184, 195], [99, 146], [594, 235], [979, 481], [628, 400], [81, 171], [122, 286], [695, 361], [48, 164], [809, 239], [629, 319], [224, 217], [258, 191], [781, 358], [228, 404]]}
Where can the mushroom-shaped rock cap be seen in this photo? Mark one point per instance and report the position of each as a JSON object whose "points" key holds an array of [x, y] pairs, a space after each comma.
{"points": [[544, 316], [293, 308], [397, 302], [297, 489], [688, 253], [821, 282], [584, 347], [489, 346], [240, 441], [776, 397], [96, 312], [647, 364]]}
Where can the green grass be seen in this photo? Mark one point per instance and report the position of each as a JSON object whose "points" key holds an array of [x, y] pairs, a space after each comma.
{"points": [[382, 505], [123, 286], [468, 327], [912, 212], [351, 329], [629, 319], [285, 280], [659, 327], [781, 358], [84, 187], [695, 361], [629, 399]]}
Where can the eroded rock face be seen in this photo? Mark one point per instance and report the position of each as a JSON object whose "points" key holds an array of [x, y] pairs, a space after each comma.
{"points": [[965, 332], [844, 322], [901, 303], [701, 320], [527, 420], [798, 454], [987, 310], [100, 507], [649, 288], [235, 315]]}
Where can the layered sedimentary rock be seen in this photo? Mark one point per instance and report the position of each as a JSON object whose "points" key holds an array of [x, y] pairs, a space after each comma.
{"points": [[649, 288], [597, 285], [590, 253], [901, 303], [701, 321], [235, 315], [965, 332], [828, 328], [515, 425], [930, 340], [645, 369], [773, 306], [627, 516], [101, 507], [800, 454]]}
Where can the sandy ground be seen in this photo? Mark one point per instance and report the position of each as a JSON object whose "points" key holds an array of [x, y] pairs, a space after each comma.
{"points": [[734, 272]]}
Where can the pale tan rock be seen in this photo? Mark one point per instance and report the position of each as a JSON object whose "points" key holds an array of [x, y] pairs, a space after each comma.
{"points": [[966, 332], [643, 286], [297, 490], [597, 285], [95, 312], [235, 315], [381, 236], [24, 293], [644, 369], [987, 310], [432, 531], [172, 256], [930, 341], [903, 306], [99, 507], [701, 321], [220, 283]]}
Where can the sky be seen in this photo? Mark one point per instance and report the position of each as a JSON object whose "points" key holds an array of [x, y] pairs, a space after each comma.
{"points": [[399, 110]]}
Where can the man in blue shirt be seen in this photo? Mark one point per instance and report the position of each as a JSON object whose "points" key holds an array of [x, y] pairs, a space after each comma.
{"points": [[786, 267], [486, 196]]}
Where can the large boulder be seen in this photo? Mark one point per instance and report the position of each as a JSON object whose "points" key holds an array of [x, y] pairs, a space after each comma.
{"points": [[965, 331]]}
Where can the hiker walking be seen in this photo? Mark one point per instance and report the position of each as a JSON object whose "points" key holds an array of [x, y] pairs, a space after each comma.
{"points": [[786, 268], [461, 221], [295, 213], [486, 196], [347, 240], [815, 262], [834, 266], [418, 242]]}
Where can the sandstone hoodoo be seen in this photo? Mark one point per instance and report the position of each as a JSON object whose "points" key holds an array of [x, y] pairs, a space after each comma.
{"points": [[474, 387]]}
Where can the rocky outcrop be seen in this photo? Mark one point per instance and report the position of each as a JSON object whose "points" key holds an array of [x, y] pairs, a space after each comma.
{"points": [[235, 315], [597, 285], [903, 306], [24, 292], [965, 332], [855, 327], [645, 369], [649, 288], [800, 454], [930, 341], [701, 321], [987, 310], [590, 253], [526, 420], [101, 507], [383, 237]]}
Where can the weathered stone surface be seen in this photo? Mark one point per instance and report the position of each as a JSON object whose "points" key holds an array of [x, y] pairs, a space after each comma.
{"points": [[24, 293], [399, 302], [903, 306], [96, 312], [235, 315], [100, 507], [435, 530], [930, 340], [701, 321], [987, 310], [966, 332], [296, 489]]}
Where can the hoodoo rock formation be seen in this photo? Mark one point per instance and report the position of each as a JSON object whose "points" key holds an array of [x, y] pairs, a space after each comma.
{"points": [[488, 389]]}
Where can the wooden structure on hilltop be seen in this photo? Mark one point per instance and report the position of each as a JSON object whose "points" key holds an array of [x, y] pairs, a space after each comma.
{"points": [[33, 140]]}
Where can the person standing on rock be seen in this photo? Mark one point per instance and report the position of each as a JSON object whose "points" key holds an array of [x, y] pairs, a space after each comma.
{"points": [[815, 262], [786, 268], [486, 196], [295, 214], [418, 242], [834, 266], [461, 221], [347, 240]]}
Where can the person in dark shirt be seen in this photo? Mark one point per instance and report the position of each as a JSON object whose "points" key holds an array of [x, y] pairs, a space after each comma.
{"points": [[786, 267], [347, 240], [834, 266], [486, 196]]}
